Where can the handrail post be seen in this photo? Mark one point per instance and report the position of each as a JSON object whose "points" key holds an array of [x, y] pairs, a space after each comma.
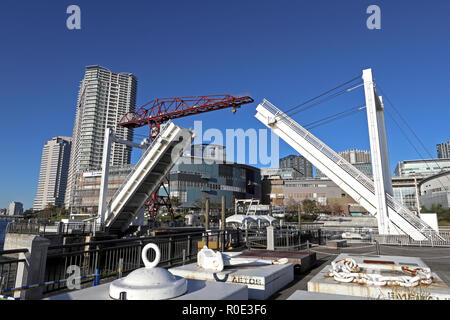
{"points": [[170, 251], [223, 224], [189, 247]]}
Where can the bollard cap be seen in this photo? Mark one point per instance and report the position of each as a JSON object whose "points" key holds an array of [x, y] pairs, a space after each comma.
{"points": [[150, 282]]}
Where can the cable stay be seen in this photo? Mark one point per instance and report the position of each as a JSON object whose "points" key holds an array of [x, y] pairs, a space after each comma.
{"points": [[323, 94], [306, 105], [410, 129], [334, 117]]}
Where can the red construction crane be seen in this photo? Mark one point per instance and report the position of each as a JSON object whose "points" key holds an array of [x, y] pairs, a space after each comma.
{"points": [[158, 111]]}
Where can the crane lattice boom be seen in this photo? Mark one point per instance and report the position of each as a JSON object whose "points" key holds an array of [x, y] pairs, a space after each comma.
{"points": [[159, 111]]}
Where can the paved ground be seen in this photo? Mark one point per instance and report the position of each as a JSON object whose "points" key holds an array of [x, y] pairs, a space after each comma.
{"points": [[438, 259]]}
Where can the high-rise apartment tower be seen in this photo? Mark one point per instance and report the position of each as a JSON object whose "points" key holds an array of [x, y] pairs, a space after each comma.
{"points": [[104, 97], [53, 173]]}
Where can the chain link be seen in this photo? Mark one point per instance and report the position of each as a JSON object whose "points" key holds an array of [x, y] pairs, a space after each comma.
{"points": [[347, 270]]}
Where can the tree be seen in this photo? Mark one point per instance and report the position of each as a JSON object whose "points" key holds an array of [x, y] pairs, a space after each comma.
{"points": [[175, 201], [292, 205], [29, 213], [52, 213], [309, 206], [337, 209], [443, 215]]}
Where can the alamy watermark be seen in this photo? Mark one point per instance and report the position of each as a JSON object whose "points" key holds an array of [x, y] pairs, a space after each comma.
{"points": [[73, 21], [74, 280], [374, 20], [212, 146]]}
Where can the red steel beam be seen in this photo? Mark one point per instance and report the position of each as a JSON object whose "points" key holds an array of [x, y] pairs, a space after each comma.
{"points": [[161, 110]]}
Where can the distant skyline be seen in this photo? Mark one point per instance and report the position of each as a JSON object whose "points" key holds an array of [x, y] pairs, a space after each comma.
{"points": [[284, 51]]}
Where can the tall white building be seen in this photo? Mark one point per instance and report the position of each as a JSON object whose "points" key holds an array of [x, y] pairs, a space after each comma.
{"points": [[103, 99], [53, 173]]}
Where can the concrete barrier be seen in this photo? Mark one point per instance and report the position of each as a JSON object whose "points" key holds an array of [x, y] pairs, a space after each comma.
{"points": [[31, 271]]}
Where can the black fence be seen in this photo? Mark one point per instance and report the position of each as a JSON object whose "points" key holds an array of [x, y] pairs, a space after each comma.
{"points": [[9, 263], [113, 258], [57, 228]]}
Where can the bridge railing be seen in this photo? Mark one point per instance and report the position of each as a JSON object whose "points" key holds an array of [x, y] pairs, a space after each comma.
{"points": [[322, 147], [136, 166], [56, 228], [405, 240], [349, 168]]}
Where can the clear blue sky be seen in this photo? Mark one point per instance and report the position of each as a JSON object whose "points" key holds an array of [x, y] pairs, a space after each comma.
{"points": [[285, 51]]}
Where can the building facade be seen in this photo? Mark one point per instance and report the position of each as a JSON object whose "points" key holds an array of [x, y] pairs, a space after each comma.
{"points": [[213, 152], [302, 166], [356, 156], [427, 167], [435, 190], [53, 173], [15, 208], [194, 180], [87, 188], [406, 191], [280, 173], [443, 150], [104, 97], [291, 193], [360, 159]]}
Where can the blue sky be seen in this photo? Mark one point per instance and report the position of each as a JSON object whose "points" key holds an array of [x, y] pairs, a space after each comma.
{"points": [[285, 51]]}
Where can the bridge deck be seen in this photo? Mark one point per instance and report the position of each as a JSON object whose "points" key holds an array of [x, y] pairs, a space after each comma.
{"points": [[147, 176]]}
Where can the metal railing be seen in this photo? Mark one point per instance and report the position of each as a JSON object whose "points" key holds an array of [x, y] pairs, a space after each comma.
{"points": [[150, 146], [256, 238], [405, 240], [322, 147], [406, 214], [113, 258], [57, 228], [284, 238], [9, 263]]}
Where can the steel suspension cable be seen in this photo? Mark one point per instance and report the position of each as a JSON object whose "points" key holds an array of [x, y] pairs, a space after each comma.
{"points": [[322, 94], [334, 95], [412, 131], [409, 141], [334, 117]]}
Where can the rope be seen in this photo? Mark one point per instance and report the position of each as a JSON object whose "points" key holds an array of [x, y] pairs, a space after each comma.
{"points": [[347, 270]]}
